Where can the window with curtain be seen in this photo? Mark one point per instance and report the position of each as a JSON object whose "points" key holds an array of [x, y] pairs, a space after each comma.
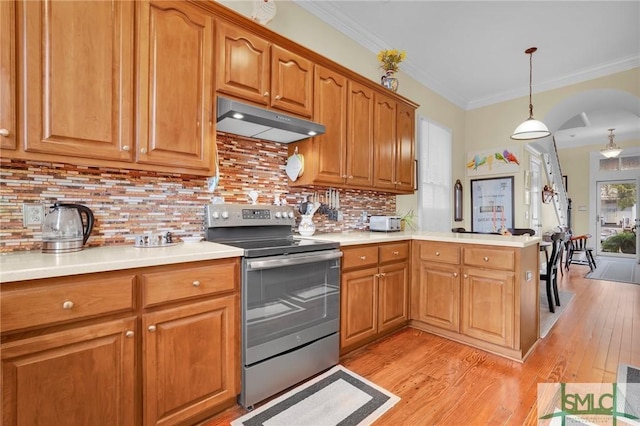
{"points": [[435, 187]]}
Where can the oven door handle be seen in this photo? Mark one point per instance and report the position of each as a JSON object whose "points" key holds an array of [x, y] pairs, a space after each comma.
{"points": [[290, 261]]}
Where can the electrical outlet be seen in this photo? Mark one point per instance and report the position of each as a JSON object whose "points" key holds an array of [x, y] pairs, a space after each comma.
{"points": [[32, 214]]}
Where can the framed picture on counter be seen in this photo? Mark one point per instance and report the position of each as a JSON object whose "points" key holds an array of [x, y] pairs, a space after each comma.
{"points": [[491, 204]]}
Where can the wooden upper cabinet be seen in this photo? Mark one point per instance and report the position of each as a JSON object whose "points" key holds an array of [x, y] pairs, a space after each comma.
{"points": [[394, 137], [8, 123], [77, 77], [405, 148], [384, 136], [175, 113], [360, 130], [291, 82], [242, 65], [330, 109], [251, 68]]}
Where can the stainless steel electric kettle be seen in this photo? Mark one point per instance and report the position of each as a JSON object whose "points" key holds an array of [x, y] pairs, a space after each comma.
{"points": [[64, 230]]}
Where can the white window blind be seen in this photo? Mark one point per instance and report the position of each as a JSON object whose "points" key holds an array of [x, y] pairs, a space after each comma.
{"points": [[434, 189]]}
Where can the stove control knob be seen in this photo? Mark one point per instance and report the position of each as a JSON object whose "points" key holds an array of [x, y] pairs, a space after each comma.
{"points": [[278, 215], [290, 215], [215, 215], [225, 214]]}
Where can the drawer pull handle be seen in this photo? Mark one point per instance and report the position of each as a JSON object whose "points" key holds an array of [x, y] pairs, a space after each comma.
{"points": [[152, 328], [363, 257], [67, 304], [196, 283], [437, 253], [129, 333], [396, 253], [486, 259]]}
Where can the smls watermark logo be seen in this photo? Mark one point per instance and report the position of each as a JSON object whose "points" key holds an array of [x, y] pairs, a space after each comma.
{"points": [[589, 404]]}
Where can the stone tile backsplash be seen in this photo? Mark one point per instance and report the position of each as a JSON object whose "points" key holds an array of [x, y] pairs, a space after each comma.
{"points": [[127, 203]]}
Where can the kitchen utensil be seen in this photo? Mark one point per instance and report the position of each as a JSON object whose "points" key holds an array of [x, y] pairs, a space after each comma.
{"points": [[253, 195], [64, 230]]}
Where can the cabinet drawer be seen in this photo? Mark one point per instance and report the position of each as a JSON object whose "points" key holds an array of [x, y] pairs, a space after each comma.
{"points": [[62, 300], [177, 283], [394, 252], [490, 258], [359, 257], [439, 252]]}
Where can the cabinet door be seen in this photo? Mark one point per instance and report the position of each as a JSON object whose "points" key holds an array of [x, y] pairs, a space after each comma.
{"points": [[176, 126], [384, 136], [488, 305], [8, 124], [360, 135], [358, 307], [437, 296], [242, 65], [78, 78], [330, 109], [291, 82], [405, 154], [190, 359], [82, 376], [393, 296]]}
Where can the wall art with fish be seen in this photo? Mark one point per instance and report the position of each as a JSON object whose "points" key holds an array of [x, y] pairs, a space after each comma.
{"points": [[493, 161]]}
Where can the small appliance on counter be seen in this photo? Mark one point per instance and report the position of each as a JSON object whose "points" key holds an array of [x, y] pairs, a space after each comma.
{"points": [[63, 230], [384, 223]]}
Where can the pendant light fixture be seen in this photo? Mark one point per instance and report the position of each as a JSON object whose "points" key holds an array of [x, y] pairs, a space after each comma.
{"points": [[531, 128], [611, 150]]}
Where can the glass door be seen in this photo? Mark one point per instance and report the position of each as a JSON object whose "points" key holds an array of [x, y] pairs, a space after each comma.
{"points": [[617, 218]]}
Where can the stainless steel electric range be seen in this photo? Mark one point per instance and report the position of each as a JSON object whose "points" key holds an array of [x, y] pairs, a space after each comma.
{"points": [[290, 296]]}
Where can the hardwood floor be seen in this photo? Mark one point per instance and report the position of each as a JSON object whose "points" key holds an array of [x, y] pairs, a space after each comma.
{"points": [[444, 382]]}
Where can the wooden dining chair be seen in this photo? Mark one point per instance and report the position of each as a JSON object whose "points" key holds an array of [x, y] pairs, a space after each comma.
{"points": [[579, 244], [522, 231], [549, 273]]}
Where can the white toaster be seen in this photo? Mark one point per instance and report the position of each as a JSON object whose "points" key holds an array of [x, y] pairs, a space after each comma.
{"points": [[384, 223]]}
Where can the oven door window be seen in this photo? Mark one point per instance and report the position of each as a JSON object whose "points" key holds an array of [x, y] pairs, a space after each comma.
{"points": [[288, 306]]}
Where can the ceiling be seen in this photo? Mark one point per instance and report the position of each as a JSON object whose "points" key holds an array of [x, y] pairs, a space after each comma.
{"points": [[472, 52]]}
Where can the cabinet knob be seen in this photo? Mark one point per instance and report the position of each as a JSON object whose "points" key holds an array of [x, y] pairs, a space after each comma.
{"points": [[344, 176], [363, 257], [126, 148], [266, 94], [151, 328], [350, 176], [196, 283], [395, 253], [278, 97], [67, 304], [486, 259], [129, 333], [466, 276], [4, 132], [455, 274], [382, 274], [437, 253], [143, 150]]}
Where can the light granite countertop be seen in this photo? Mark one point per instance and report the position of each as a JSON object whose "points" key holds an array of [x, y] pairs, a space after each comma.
{"points": [[23, 266]]}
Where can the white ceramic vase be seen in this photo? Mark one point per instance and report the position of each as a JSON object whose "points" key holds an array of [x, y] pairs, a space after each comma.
{"points": [[307, 227]]}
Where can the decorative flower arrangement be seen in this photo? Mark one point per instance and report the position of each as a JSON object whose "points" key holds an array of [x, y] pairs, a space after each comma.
{"points": [[390, 59]]}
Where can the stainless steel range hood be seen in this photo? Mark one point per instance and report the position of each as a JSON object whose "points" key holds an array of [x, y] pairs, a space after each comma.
{"points": [[250, 121]]}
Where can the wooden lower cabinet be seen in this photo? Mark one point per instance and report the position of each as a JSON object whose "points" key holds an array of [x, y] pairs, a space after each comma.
{"points": [[485, 296], [73, 354], [374, 292], [80, 376], [188, 358], [488, 306], [436, 296]]}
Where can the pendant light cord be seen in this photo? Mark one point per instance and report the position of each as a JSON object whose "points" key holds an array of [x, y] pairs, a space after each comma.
{"points": [[530, 51]]}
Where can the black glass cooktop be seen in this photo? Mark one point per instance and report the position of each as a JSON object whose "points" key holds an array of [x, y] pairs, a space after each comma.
{"points": [[259, 248]]}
